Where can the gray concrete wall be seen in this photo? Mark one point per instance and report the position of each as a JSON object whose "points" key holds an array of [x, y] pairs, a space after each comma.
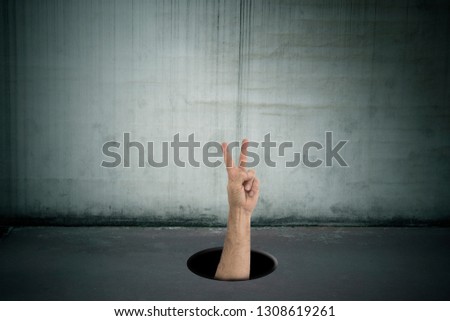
{"points": [[77, 74]]}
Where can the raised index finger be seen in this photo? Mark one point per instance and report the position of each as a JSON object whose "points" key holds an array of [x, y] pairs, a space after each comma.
{"points": [[227, 156], [243, 156]]}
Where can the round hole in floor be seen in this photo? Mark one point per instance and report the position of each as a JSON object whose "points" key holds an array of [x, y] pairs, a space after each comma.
{"points": [[204, 263]]}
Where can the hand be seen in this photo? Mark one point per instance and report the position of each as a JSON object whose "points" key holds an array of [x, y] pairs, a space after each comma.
{"points": [[243, 186]]}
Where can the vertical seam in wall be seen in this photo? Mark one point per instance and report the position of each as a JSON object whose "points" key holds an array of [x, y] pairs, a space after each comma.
{"points": [[248, 57], [371, 90], [7, 114], [216, 111], [239, 86], [405, 56], [447, 64], [244, 50], [11, 99]]}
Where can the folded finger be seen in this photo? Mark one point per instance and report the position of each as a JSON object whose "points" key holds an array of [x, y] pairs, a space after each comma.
{"points": [[255, 187], [248, 185]]}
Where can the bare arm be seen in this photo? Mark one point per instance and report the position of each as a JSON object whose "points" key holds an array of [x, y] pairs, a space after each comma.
{"points": [[243, 192]]}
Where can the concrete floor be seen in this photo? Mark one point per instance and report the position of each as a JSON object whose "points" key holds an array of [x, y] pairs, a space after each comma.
{"points": [[138, 263]]}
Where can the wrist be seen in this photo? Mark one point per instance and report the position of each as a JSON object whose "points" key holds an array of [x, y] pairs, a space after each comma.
{"points": [[239, 212]]}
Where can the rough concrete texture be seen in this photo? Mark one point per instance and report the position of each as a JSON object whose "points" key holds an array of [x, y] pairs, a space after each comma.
{"points": [[135, 263], [80, 73]]}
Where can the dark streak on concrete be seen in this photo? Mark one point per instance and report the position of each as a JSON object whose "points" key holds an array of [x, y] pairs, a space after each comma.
{"points": [[7, 101]]}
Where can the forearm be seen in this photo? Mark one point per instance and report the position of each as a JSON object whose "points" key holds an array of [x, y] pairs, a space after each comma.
{"points": [[235, 260]]}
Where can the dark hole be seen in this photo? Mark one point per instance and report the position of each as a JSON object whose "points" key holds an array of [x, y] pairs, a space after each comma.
{"points": [[204, 263]]}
